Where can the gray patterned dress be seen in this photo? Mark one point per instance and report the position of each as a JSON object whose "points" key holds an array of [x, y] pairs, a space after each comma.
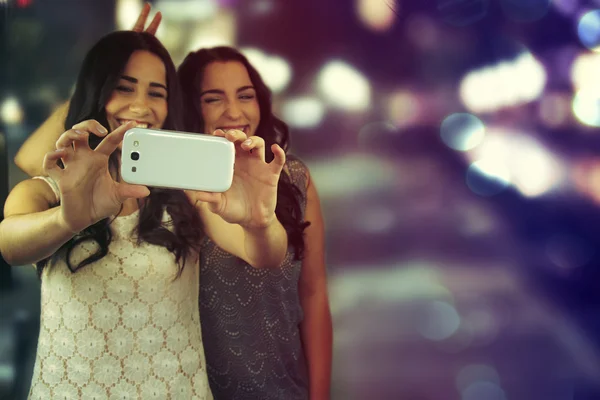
{"points": [[250, 321]]}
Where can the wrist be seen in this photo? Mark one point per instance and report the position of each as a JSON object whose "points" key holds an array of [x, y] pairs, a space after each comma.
{"points": [[261, 227], [62, 224]]}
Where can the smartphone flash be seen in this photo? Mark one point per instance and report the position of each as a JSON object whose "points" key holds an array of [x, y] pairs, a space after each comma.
{"points": [[136, 143], [133, 169]]}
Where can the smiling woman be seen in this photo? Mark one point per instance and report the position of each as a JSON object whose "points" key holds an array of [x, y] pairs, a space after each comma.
{"points": [[277, 319], [228, 98], [141, 94], [111, 256]]}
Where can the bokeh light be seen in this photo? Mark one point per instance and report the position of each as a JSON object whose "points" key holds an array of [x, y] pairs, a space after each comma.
{"points": [[487, 177], [438, 321], [483, 390], [511, 157], [584, 71], [127, 12], [555, 109], [377, 15], [476, 372], [187, 10], [586, 107], [566, 7], [344, 86], [219, 30], [588, 30], [403, 108], [303, 112], [275, 71], [11, 111], [423, 31], [507, 84], [568, 252], [262, 7], [462, 131]]}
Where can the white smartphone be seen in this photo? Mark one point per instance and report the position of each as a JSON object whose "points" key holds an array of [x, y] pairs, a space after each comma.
{"points": [[177, 160]]}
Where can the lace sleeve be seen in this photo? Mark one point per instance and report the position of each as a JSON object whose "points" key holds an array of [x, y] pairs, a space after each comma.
{"points": [[53, 185]]}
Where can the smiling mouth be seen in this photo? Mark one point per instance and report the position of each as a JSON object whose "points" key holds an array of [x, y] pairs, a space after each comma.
{"points": [[244, 128], [138, 124]]}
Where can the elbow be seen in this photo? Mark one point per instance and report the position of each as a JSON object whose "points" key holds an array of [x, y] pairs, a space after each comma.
{"points": [[5, 251], [21, 162], [7, 256]]}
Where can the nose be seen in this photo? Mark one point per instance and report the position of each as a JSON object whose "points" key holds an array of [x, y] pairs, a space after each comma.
{"points": [[139, 105], [233, 110]]}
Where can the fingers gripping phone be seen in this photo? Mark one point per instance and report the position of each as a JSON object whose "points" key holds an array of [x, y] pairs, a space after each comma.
{"points": [[177, 160]]}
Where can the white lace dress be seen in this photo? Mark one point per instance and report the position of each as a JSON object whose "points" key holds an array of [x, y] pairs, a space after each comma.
{"points": [[123, 327]]}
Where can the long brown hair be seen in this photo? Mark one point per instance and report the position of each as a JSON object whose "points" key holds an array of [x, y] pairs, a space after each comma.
{"points": [[99, 75], [271, 129]]}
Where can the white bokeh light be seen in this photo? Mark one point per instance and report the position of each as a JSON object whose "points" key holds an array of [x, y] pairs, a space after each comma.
{"points": [[187, 10], [303, 112], [344, 87], [507, 84], [220, 30], [11, 111], [586, 107], [584, 72], [516, 158], [274, 70], [127, 12]]}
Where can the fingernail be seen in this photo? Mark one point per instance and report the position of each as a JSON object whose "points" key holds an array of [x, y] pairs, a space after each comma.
{"points": [[248, 141], [79, 132], [101, 129]]}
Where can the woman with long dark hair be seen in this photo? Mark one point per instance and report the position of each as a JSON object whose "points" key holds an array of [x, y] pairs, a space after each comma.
{"points": [[267, 333], [118, 262]]}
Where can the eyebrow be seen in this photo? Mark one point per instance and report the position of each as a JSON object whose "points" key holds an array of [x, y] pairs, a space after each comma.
{"points": [[152, 84], [219, 91]]}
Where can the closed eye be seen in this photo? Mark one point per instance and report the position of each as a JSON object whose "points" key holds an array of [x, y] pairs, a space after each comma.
{"points": [[122, 88], [158, 95]]}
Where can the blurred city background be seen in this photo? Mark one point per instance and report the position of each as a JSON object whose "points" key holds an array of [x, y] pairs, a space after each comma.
{"points": [[455, 145]]}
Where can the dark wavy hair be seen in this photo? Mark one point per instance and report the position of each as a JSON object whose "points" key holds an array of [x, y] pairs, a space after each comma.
{"points": [[98, 78], [271, 129]]}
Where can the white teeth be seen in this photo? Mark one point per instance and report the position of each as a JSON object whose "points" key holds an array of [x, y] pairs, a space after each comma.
{"points": [[138, 124]]}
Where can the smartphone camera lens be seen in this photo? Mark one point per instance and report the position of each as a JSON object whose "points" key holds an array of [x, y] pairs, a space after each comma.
{"points": [[135, 156]]}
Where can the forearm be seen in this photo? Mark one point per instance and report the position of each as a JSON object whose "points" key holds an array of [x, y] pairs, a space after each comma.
{"points": [[26, 239], [266, 247], [317, 338], [31, 154]]}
